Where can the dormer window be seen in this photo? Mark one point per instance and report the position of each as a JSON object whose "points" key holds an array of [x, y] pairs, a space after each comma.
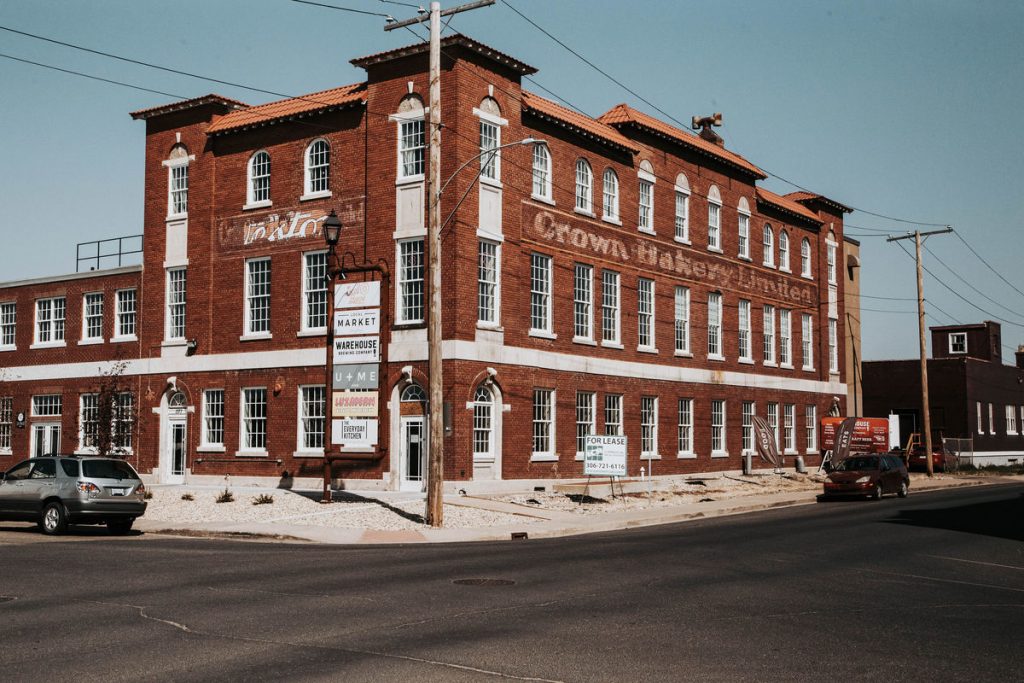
{"points": [[958, 342]]}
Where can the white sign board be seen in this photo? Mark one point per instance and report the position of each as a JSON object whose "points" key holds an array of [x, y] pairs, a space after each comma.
{"points": [[357, 321], [605, 456], [354, 433], [356, 350], [357, 295]]}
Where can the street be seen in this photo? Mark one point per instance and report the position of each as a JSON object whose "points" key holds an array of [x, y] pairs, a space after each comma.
{"points": [[926, 588]]}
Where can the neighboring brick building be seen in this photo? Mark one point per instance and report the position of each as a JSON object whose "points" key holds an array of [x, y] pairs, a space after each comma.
{"points": [[623, 276], [972, 394]]}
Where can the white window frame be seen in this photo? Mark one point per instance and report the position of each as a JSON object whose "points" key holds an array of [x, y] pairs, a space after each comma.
{"points": [[307, 399], [611, 308], [490, 150], [769, 335], [316, 297], [784, 250], [768, 245], [682, 209], [541, 275], [584, 187], [583, 302], [55, 322], [684, 428], [830, 261], [715, 350], [88, 422], [807, 340], [645, 298], [126, 320], [991, 420], [586, 419], [811, 428], [483, 424], [743, 230], [488, 284], [805, 258], [1011, 420], [785, 338], [649, 428], [48, 405], [714, 219], [542, 169], [246, 422], [981, 424], [789, 427], [645, 198], [955, 337], [257, 197], [747, 410], [8, 326], [613, 415], [772, 417], [833, 346], [719, 422], [543, 416], [411, 146], [177, 186], [208, 421], [610, 196], [92, 312], [316, 158], [6, 423], [175, 304], [410, 290], [681, 319], [257, 301], [745, 332]]}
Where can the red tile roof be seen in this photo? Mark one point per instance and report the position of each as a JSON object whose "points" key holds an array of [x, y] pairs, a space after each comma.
{"points": [[578, 123], [623, 114], [787, 205], [263, 114], [811, 196], [455, 39], [188, 104]]}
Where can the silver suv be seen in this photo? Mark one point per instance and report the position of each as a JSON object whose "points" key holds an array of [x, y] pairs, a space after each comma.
{"points": [[58, 490]]}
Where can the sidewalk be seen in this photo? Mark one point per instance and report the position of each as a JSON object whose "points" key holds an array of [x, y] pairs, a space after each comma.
{"points": [[535, 523]]}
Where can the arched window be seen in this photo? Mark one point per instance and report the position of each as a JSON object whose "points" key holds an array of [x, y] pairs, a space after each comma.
{"points": [[584, 187], [682, 208], [783, 250], [318, 167], [805, 257], [259, 178], [714, 219], [611, 195], [412, 142], [744, 228], [645, 178], [541, 172], [490, 139], [483, 422], [177, 181], [768, 240], [413, 394]]}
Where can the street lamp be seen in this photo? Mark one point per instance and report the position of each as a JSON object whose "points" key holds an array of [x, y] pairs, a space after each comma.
{"points": [[332, 233], [332, 230], [435, 451]]}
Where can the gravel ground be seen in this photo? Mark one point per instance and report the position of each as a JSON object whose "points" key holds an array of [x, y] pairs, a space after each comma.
{"points": [[167, 505]]}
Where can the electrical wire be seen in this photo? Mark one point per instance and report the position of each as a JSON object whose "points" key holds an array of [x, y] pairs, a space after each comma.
{"points": [[961, 237], [343, 9], [90, 76], [969, 285]]}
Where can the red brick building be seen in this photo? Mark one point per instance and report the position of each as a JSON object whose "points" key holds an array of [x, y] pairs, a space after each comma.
{"points": [[619, 276]]}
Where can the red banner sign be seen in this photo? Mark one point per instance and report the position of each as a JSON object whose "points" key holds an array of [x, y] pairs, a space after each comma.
{"points": [[869, 434]]}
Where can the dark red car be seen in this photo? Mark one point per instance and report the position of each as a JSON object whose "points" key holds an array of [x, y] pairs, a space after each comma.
{"points": [[869, 475], [917, 462]]}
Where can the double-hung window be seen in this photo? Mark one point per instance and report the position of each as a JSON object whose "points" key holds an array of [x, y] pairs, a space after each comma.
{"points": [[649, 427], [833, 345], [315, 297], [124, 322], [645, 313], [6, 412], [682, 213], [259, 179], [8, 324], [768, 244], [1011, 419], [178, 190], [783, 250], [789, 427], [684, 428], [610, 311], [213, 418], [585, 420], [88, 421], [831, 262], [176, 303], [543, 423], [811, 427], [991, 420], [254, 419], [540, 293], [807, 341], [769, 335], [744, 235], [490, 156], [584, 187], [745, 346], [610, 195], [981, 425], [312, 412], [92, 316], [541, 172], [805, 257], [714, 219], [583, 301], [747, 411], [682, 320], [718, 428], [715, 325], [785, 338], [410, 281], [50, 320], [958, 342], [646, 218], [318, 169], [487, 283], [257, 297], [412, 146], [613, 414], [773, 421]]}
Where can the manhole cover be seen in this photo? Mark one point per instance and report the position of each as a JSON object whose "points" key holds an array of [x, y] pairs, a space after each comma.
{"points": [[484, 582]]}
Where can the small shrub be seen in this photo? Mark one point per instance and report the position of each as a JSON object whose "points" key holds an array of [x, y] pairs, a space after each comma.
{"points": [[187, 496], [263, 499], [225, 496]]}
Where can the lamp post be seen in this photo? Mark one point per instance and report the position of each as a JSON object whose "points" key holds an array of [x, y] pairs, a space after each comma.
{"points": [[435, 468], [332, 233]]}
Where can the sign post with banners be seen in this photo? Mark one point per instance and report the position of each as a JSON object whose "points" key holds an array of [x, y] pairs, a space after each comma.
{"points": [[604, 455]]}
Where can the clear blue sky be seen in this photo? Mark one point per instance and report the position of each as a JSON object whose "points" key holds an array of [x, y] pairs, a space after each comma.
{"points": [[911, 109]]}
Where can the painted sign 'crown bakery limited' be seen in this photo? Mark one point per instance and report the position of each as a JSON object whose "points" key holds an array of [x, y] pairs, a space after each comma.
{"points": [[546, 226]]}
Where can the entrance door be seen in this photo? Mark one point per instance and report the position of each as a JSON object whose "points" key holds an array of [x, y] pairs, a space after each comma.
{"points": [[45, 438], [413, 453], [174, 473]]}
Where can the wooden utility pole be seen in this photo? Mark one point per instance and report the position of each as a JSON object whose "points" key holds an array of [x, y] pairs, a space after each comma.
{"points": [[435, 405], [925, 409]]}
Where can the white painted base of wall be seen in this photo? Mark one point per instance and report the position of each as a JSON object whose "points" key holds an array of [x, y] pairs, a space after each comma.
{"points": [[992, 458]]}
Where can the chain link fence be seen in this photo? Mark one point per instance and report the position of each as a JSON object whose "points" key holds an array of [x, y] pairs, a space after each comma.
{"points": [[957, 453]]}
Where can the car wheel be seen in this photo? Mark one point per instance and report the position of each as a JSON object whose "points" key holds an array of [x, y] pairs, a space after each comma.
{"points": [[904, 490], [53, 520], [876, 494], [120, 527]]}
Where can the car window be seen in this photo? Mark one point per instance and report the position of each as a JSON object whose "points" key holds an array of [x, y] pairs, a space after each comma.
{"points": [[19, 471], [70, 467], [858, 463], [43, 469], [108, 469]]}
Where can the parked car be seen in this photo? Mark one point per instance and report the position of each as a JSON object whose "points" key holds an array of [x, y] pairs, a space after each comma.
{"points": [[917, 462], [58, 490], [869, 475]]}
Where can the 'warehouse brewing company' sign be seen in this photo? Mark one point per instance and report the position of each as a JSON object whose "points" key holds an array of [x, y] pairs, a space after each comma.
{"points": [[356, 350], [605, 455]]}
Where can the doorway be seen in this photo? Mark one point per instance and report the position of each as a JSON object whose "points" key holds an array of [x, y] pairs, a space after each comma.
{"points": [[413, 454], [174, 440], [45, 438]]}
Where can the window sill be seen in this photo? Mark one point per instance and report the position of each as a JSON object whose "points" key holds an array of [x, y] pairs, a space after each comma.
{"points": [[613, 221], [811, 451], [126, 338], [584, 340], [322, 194], [785, 270], [211, 449], [683, 354], [646, 349], [646, 231], [716, 357], [579, 457], [741, 257], [308, 454], [612, 345], [544, 457], [719, 454], [257, 205], [686, 455], [410, 179], [542, 334], [90, 342], [542, 200], [786, 366], [492, 182], [173, 343], [312, 333], [48, 345], [650, 456], [715, 250], [745, 361], [770, 364], [806, 277], [769, 265], [791, 451], [251, 454], [807, 368], [256, 337], [490, 327], [8, 348], [84, 451], [584, 212], [6, 451], [174, 217], [683, 240]]}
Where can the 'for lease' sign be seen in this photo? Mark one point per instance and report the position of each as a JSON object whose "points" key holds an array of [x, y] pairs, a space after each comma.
{"points": [[605, 456]]}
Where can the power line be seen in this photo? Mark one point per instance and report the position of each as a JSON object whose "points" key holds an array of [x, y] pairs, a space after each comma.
{"points": [[90, 76], [957, 233], [344, 9], [972, 287]]}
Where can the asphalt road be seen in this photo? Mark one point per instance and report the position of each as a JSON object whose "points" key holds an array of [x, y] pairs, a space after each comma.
{"points": [[927, 588]]}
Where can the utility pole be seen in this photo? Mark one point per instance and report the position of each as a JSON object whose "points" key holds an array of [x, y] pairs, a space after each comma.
{"points": [[435, 411], [925, 410]]}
